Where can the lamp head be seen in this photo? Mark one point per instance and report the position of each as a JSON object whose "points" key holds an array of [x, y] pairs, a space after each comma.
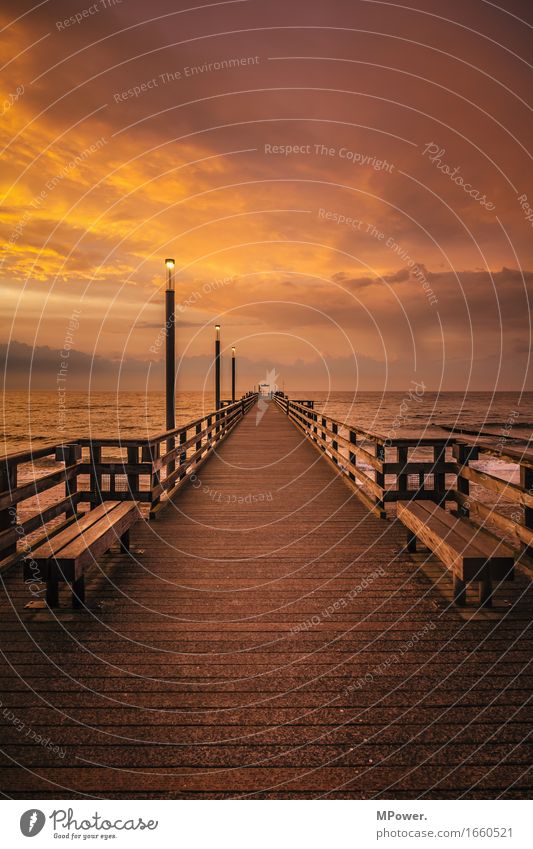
{"points": [[170, 263], [233, 352], [217, 330]]}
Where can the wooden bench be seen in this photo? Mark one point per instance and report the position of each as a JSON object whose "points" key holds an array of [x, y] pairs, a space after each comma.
{"points": [[469, 552], [65, 556]]}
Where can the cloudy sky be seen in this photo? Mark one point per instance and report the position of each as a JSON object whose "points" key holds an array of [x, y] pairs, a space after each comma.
{"points": [[346, 186]]}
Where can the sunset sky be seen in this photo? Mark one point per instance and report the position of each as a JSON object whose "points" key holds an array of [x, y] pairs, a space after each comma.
{"points": [[347, 188]]}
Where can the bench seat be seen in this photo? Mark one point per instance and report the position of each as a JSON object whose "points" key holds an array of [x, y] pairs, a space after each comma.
{"points": [[65, 556], [469, 552]]}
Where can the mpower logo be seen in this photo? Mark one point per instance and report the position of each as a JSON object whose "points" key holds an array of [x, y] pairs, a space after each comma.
{"points": [[32, 822]]}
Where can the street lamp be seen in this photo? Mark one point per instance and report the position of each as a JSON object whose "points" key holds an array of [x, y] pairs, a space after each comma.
{"points": [[170, 352], [217, 366], [233, 374], [170, 265]]}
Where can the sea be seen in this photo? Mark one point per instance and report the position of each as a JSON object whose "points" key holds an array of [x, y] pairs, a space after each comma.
{"points": [[33, 419]]}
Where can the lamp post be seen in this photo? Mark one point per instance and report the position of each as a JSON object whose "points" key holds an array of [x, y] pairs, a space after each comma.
{"points": [[233, 374], [170, 352], [217, 366]]}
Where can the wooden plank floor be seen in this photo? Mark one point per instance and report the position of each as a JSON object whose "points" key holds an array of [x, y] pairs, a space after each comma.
{"points": [[268, 639]]}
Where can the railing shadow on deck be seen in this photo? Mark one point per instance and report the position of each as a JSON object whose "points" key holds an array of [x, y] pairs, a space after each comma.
{"points": [[384, 470], [35, 505]]}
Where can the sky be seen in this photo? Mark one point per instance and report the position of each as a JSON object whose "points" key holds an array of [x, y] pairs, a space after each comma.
{"points": [[346, 187]]}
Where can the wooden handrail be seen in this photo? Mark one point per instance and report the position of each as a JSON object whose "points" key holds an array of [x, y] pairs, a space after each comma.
{"points": [[513, 455], [18, 458], [154, 439], [372, 436]]}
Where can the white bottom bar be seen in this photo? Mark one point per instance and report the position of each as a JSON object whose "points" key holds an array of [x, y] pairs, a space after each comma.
{"points": [[256, 824]]}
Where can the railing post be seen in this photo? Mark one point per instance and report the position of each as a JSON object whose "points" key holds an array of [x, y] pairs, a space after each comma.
{"points": [[133, 478], [380, 477], [171, 465], [198, 444], [309, 424], [352, 456], [151, 453], [69, 454], [526, 482], [463, 485], [402, 458], [183, 454], [439, 478], [8, 516], [334, 443], [323, 434], [95, 459]]}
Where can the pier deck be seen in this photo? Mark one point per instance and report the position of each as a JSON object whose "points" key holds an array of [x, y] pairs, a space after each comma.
{"points": [[269, 639]]}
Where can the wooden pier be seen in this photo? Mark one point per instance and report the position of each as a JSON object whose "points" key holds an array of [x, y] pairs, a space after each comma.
{"points": [[268, 635]]}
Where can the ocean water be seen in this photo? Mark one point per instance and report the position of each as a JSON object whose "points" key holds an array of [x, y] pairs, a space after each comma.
{"points": [[38, 418], [417, 412]]}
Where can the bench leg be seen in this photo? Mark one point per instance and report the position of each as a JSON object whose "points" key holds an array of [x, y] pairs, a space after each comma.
{"points": [[411, 542], [78, 593], [52, 588], [485, 592], [125, 542], [459, 592]]}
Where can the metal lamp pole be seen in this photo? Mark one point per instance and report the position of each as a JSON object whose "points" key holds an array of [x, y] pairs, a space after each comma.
{"points": [[233, 374], [170, 353], [217, 366]]}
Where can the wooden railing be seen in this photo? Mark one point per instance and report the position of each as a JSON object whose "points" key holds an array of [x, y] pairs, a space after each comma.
{"points": [[516, 524], [149, 470], [385, 470], [21, 489], [35, 503]]}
